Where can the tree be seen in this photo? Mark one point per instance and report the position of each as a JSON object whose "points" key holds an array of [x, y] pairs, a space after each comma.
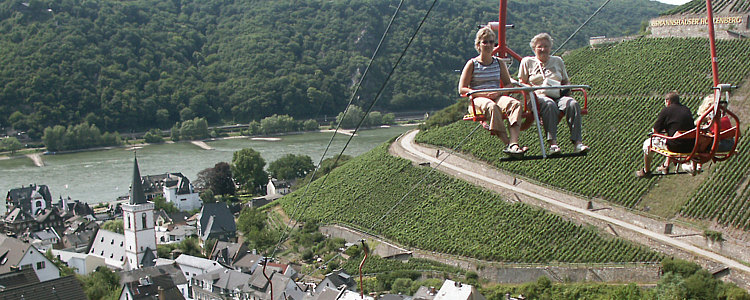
{"points": [[207, 196], [174, 133], [252, 224], [247, 169], [101, 283], [253, 128], [291, 166], [190, 246], [53, 138], [153, 136], [682, 267], [186, 114], [352, 117], [374, 118], [162, 117], [401, 286], [389, 119], [80, 136], [64, 269], [195, 129], [18, 120], [114, 226], [388, 278], [278, 124], [161, 203], [310, 125], [11, 144], [217, 179], [251, 221]]}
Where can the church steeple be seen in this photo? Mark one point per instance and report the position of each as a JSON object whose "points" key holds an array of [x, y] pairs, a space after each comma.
{"points": [[137, 196], [138, 224]]}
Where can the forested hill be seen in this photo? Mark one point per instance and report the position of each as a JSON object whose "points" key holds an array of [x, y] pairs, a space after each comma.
{"points": [[133, 65]]}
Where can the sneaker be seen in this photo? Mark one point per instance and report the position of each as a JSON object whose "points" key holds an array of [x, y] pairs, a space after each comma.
{"points": [[688, 167], [554, 150], [663, 169], [642, 173], [581, 148]]}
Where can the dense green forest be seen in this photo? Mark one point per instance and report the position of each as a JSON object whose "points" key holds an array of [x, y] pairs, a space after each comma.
{"points": [[135, 65]]}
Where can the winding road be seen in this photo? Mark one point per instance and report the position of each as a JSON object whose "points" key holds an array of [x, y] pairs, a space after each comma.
{"points": [[683, 242]]}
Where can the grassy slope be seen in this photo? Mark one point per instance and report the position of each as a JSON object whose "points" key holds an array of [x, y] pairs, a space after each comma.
{"points": [[627, 81], [451, 216]]}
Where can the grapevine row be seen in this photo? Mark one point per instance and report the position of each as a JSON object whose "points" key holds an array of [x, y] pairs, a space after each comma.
{"points": [[648, 66], [451, 216], [725, 196], [628, 81], [615, 129]]}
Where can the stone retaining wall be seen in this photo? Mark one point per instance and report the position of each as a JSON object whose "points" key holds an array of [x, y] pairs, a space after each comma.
{"points": [[508, 273]]}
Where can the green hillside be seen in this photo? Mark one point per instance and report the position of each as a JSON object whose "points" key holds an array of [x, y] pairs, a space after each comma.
{"points": [[451, 216], [134, 65], [628, 81], [699, 7]]}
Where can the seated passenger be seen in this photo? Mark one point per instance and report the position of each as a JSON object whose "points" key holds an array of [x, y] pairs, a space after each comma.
{"points": [[487, 72], [724, 123], [534, 70], [673, 118]]}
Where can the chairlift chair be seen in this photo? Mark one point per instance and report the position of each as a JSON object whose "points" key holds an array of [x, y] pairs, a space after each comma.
{"points": [[502, 51], [709, 132], [706, 139]]}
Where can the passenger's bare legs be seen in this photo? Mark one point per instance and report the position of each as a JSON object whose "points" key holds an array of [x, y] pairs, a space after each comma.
{"points": [[515, 132], [504, 136]]}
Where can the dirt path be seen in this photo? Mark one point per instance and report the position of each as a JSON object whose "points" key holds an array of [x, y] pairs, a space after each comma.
{"points": [[684, 242]]}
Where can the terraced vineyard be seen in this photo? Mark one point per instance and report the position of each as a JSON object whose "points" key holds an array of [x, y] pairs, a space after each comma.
{"points": [[649, 66], [628, 81], [725, 197], [452, 216], [618, 127], [699, 7]]}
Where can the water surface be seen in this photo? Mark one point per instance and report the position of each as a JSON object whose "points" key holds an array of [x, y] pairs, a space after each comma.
{"points": [[102, 176]]}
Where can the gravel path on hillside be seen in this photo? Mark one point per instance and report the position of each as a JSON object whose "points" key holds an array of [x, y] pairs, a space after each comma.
{"points": [[684, 242]]}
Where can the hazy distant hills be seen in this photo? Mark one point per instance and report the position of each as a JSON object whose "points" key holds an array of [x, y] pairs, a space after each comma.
{"points": [[133, 65]]}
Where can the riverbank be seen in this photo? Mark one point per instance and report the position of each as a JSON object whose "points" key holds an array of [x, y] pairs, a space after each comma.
{"points": [[202, 143], [103, 175]]}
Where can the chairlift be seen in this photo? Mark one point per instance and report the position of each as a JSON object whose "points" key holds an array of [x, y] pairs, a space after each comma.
{"points": [[713, 126], [717, 124], [506, 55]]}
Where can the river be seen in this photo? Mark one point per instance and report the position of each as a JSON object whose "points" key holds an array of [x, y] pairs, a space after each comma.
{"points": [[103, 175]]}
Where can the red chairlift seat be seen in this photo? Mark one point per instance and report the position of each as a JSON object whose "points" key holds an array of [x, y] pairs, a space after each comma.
{"points": [[478, 116], [706, 145]]}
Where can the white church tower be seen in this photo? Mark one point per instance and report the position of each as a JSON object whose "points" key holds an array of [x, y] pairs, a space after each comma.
{"points": [[138, 222]]}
